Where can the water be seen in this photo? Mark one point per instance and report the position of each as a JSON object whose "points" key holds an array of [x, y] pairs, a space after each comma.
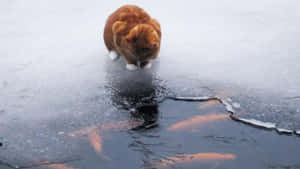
{"points": [[56, 80]]}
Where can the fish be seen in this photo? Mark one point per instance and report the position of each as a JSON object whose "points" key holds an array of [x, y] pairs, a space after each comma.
{"points": [[197, 120], [59, 166], [187, 158]]}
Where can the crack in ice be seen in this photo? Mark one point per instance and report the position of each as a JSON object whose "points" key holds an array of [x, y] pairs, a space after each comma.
{"points": [[229, 108]]}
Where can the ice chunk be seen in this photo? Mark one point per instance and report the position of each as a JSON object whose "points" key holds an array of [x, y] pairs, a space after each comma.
{"points": [[61, 133], [236, 105], [228, 106], [297, 132], [255, 122], [229, 99], [285, 131], [203, 98]]}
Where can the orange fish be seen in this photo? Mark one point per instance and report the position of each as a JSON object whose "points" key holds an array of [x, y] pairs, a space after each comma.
{"points": [[208, 104], [59, 166], [197, 120], [185, 158], [96, 141], [119, 125]]}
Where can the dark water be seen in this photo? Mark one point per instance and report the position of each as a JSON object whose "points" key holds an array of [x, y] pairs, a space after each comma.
{"points": [[64, 104]]}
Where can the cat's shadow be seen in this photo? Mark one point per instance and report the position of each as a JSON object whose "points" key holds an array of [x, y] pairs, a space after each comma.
{"points": [[134, 90]]}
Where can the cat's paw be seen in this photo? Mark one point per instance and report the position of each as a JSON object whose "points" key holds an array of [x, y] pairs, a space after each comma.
{"points": [[147, 66], [131, 67], [113, 55]]}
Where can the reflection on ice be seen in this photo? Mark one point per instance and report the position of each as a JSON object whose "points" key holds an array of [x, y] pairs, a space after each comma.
{"points": [[135, 92]]}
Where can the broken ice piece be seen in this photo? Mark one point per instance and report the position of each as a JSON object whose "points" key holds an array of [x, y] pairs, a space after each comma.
{"points": [[229, 99], [61, 133], [284, 131], [297, 132], [236, 105], [257, 123], [228, 106], [204, 98]]}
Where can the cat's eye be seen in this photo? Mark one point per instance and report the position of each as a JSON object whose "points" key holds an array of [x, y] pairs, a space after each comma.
{"points": [[154, 45]]}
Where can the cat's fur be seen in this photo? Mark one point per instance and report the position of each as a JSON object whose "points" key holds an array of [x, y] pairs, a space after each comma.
{"points": [[132, 33]]}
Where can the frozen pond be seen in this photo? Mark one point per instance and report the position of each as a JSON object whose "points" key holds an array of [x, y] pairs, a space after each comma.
{"points": [[63, 101]]}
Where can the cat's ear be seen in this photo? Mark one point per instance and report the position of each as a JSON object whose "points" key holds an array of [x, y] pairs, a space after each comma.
{"points": [[118, 26], [156, 26], [133, 34]]}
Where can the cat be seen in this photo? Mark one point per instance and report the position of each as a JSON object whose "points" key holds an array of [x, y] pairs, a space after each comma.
{"points": [[130, 32]]}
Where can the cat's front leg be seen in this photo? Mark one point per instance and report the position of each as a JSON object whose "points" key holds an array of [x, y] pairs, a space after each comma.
{"points": [[131, 63], [146, 64], [131, 67]]}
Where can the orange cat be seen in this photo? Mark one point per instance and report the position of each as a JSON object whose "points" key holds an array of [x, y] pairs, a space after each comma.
{"points": [[132, 33]]}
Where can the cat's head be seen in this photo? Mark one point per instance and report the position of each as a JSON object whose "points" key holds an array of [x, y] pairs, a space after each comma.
{"points": [[143, 42]]}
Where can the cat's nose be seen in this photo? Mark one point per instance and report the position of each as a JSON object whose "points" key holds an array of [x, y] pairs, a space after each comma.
{"points": [[155, 45]]}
